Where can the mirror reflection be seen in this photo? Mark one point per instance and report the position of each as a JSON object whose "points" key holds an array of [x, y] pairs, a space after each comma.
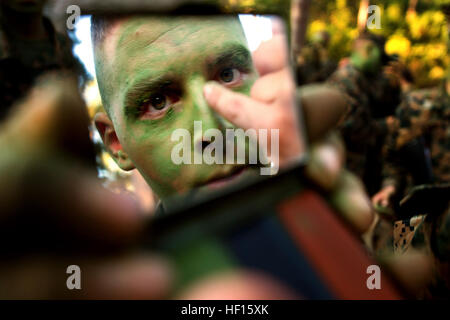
{"points": [[177, 102]]}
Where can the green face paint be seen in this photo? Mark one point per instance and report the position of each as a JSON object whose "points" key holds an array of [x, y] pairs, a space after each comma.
{"points": [[155, 77], [366, 57]]}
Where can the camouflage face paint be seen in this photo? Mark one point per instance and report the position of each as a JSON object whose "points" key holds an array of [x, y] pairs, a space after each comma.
{"points": [[366, 57], [156, 78]]}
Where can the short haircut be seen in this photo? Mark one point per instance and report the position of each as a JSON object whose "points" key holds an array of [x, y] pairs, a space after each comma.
{"points": [[100, 27]]}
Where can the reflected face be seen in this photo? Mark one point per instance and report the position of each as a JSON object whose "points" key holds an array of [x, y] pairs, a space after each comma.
{"points": [[151, 72], [366, 56]]}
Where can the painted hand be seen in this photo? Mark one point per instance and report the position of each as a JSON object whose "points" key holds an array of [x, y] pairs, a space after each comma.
{"points": [[54, 212]]}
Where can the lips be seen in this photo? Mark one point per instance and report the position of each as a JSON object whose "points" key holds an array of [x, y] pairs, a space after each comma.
{"points": [[221, 181]]}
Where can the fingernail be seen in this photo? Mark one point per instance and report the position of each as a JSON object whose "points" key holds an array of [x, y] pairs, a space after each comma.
{"points": [[207, 89], [329, 160]]}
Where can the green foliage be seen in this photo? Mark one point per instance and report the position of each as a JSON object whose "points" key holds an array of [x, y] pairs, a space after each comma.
{"points": [[418, 38]]}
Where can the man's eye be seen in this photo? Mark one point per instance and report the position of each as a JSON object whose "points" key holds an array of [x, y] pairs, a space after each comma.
{"points": [[156, 105], [229, 75], [158, 101]]}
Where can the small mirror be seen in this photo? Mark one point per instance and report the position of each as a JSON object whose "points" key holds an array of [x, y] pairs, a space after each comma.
{"points": [[160, 133]]}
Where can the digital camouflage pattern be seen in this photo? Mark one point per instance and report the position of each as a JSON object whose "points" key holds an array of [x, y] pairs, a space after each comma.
{"points": [[23, 60], [423, 114], [314, 64], [426, 113], [423, 117], [363, 126]]}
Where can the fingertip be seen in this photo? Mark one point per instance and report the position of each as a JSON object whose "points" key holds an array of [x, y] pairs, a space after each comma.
{"points": [[210, 90], [353, 203], [324, 166], [134, 277], [207, 90], [237, 285]]}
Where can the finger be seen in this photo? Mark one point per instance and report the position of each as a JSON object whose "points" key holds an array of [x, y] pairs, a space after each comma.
{"points": [[271, 55], [376, 199], [351, 200], [237, 108], [273, 86], [52, 116], [277, 26], [130, 277], [137, 277], [322, 108], [238, 285], [98, 214], [413, 269], [65, 201], [326, 163]]}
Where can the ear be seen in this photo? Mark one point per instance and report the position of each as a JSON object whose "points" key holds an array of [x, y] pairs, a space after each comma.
{"points": [[111, 142]]}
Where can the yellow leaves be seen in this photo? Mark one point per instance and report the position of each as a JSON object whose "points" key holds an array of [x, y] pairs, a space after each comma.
{"points": [[247, 3], [394, 12], [317, 26], [398, 44], [429, 52], [341, 18], [436, 51], [92, 98], [437, 73], [420, 40], [341, 4], [429, 24]]}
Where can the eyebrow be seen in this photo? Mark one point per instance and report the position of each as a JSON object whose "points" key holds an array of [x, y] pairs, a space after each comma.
{"points": [[235, 54], [142, 89]]}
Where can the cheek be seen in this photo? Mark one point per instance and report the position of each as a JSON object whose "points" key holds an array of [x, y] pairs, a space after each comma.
{"points": [[149, 145]]}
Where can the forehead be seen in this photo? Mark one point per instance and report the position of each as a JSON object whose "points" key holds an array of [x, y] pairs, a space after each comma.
{"points": [[145, 29]]}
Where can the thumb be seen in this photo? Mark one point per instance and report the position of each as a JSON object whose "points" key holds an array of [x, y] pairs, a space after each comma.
{"points": [[51, 117]]}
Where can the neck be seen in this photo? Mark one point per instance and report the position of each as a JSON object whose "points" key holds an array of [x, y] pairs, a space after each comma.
{"points": [[25, 25]]}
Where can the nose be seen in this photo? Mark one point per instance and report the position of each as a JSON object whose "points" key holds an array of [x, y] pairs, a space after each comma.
{"points": [[201, 144], [202, 113]]}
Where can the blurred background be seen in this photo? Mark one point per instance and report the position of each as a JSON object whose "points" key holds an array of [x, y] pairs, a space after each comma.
{"points": [[415, 34]]}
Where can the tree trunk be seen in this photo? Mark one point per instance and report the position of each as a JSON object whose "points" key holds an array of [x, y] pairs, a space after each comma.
{"points": [[299, 24], [362, 14], [412, 5]]}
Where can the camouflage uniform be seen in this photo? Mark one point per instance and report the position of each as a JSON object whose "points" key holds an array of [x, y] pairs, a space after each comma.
{"points": [[22, 61], [424, 114], [314, 65], [363, 126]]}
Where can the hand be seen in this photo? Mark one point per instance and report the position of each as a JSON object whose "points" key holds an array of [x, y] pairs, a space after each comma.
{"points": [[272, 104], [413, 269], [382, 198], [55, 213], [345, 191], [272, 101]]}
